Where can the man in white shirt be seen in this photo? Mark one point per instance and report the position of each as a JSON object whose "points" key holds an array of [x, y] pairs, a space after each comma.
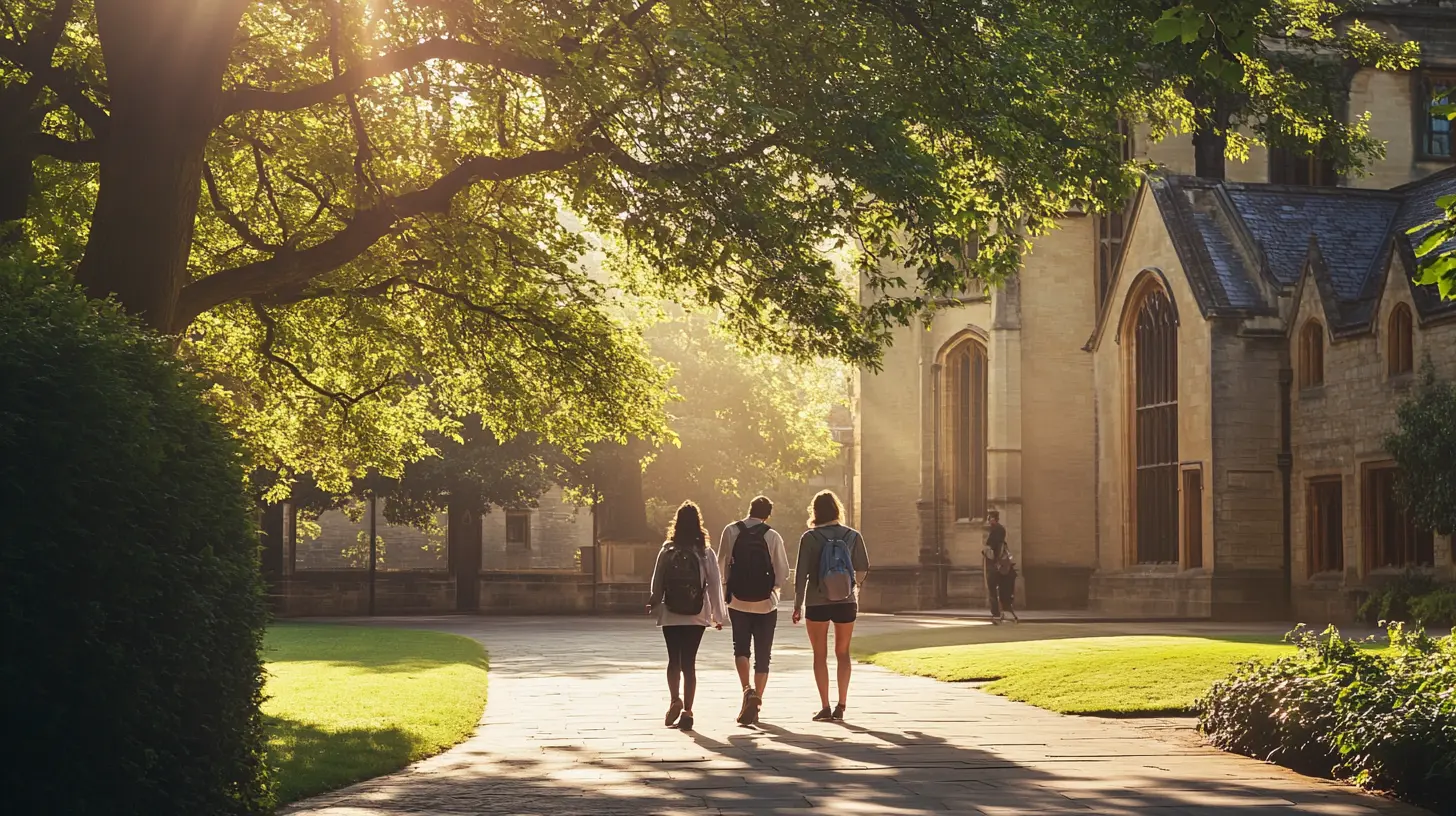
{"points": [[755, 567]]}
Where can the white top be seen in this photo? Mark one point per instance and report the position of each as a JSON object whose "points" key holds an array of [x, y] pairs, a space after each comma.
{"points": [[776, 552], [712, 611]]}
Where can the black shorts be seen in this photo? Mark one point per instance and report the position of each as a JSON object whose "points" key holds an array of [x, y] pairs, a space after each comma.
{"points": [[836, 612]]}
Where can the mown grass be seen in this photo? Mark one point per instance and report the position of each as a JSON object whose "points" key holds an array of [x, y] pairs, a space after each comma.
{"points": [[1129, 675], [347, 703]]}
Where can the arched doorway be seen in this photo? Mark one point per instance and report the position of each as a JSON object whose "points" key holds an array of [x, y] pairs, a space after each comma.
{"points": [[1154, 352]]}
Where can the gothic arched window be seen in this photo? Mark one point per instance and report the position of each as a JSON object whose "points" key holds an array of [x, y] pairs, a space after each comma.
{"points": [[1399, 349], [1312, 355], [1155, 420], [965, 380]]}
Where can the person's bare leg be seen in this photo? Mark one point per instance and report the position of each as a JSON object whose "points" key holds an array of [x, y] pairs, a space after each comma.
{"points": [[819, 643], [760, 682], [742, 665], [843, 633]]}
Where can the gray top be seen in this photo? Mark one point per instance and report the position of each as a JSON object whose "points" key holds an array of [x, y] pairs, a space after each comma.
{"points": [[810, 593]]}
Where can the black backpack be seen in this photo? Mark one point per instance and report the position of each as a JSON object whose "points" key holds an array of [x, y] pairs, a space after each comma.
{"points": [[682, 580], [751, 574]]}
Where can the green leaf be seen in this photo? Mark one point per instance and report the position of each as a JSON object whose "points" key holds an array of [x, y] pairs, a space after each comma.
{"points": [[1168, 28]]}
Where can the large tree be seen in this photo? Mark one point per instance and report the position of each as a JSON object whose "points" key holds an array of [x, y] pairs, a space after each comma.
{"points": [[351, 212]]}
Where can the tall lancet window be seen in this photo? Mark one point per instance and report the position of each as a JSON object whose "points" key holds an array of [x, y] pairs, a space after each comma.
{"points": [[1155, 410], [965, 376]]}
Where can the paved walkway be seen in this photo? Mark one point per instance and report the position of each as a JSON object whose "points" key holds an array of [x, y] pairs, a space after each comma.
{"points": [[574, 728]]}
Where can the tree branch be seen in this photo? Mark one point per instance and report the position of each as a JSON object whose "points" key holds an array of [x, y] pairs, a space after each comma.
{"points": [[231, 218], [83, 152], [270, 338], [246, 99], [292, 267]]}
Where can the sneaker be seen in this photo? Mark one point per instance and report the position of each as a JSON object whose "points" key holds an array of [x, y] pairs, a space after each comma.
{"points": [[685, 723], [838, 713], [825, 715], [743, 709], [673, 711], [750, 709]]}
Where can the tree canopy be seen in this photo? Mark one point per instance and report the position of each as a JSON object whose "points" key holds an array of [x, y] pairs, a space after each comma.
{"points": [[358, 216]]}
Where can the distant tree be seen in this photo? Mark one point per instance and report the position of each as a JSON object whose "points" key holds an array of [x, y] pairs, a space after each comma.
{"points": [[1424, 449], [744, 423]]}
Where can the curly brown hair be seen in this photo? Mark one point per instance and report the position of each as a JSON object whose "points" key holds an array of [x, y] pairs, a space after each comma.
{"points": [[687, 527]]}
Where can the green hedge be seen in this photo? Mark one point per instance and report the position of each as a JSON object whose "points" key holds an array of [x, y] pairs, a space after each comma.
{"points": [[1415, 598], [1383, 719], [132, 607]]}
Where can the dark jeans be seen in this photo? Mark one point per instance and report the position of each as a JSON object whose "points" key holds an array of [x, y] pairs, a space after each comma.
{"points": [[1001, 590], [758, 628], [682, 660]]}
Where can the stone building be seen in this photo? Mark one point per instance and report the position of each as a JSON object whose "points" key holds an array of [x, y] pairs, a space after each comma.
{"points": [[549, 536], [1171, 464]]}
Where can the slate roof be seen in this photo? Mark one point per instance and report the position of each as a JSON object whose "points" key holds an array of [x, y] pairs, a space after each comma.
{"points": [[1242, 244]]}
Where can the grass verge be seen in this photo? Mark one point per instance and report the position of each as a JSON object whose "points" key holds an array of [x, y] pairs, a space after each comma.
{"points": [[1135, 675], [347, 703]]}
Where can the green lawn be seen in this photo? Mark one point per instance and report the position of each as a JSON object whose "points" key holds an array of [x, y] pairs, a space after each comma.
{"points": [[1117, 675], [346, 703]]}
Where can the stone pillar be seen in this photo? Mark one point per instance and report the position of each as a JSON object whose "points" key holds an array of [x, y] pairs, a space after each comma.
{"points": [[1004, 392]]}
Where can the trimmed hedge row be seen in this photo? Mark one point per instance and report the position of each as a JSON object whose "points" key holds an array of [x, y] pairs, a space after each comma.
{"points": [[1383, 719], [132, 610]]}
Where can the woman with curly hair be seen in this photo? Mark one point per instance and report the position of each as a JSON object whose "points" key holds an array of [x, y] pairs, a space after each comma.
{"points": [[687, 597]]}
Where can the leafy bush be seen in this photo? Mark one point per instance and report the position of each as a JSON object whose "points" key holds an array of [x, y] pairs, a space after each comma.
{"points": [[1385, 720], [132, 610], [1392, 601], [1435, 610]]}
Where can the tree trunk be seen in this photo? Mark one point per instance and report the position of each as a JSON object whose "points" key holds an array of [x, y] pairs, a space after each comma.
{"points": [[622, 512], [165, 61], [463, 543]]}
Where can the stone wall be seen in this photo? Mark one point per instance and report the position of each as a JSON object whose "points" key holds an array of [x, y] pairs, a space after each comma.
{"points": [[314, 593], [535, 592], [342, 543], [558, 530], [1058, 426], [1245, 482]]}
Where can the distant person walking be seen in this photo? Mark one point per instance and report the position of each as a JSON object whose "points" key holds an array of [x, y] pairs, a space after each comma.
{"points": [[752, 556], [833, 564], [687, 597], [1000, 570]]}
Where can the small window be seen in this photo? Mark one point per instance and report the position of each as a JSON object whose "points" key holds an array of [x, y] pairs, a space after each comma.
{"points": [[1326, 539], [1392, 540], [972, 287], [1289, 166], [1435, 127], [518, 528], [1399, 345], [1312, 355], [1192, 518]]}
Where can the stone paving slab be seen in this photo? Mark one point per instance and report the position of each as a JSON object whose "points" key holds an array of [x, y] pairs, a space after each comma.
{"points": [[574, 728]]}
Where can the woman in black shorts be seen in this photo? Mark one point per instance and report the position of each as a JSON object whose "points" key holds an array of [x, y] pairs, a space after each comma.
{"points": [[832, 596]]}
